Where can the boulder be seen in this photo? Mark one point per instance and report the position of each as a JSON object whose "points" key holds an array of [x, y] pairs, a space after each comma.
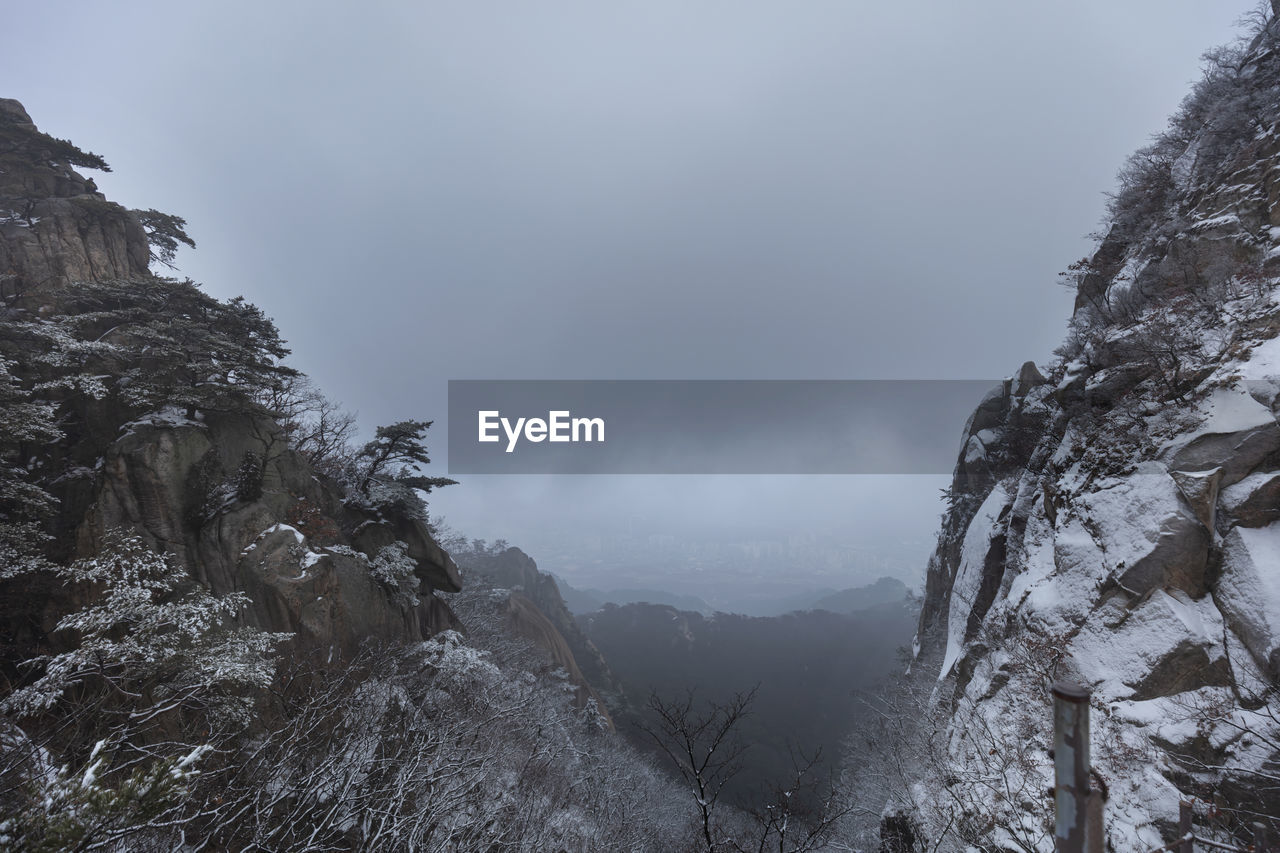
{"points": [[1152, 537], [1028, 377], [1236, 453], [1254, 501], [1171, 644], [1248, 592], [287, 540], [1238, 435], [326, 597], [1200, 488], [54, 227]]}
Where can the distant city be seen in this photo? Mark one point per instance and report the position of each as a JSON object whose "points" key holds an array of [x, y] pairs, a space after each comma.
{"points": [[745, 576]]}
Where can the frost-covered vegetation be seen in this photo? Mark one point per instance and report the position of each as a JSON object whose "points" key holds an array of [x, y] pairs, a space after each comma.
{"points": [[177, 731]]}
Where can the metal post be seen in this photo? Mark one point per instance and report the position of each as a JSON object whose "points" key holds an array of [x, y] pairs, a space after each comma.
{"points": [[1185, 844], [1093, 829], [1071, 769], [1260, 837]]}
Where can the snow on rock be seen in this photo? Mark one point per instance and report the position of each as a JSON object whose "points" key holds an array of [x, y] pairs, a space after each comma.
{"points": [[170, 417], [968, 580], [1057, 569], [1168, 644], [1249, 591], [1263, 363], [1148, 532], [1237, 434], [276, 528], [1200, 488], [1254, 501]]}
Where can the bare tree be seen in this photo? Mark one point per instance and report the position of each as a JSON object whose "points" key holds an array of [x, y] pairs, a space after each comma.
{"points": [[315, 426], [701, 742], [800, 814]]}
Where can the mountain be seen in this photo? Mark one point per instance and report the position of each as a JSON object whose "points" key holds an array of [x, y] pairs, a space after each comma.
{"points": [[578, 600], [539, 611], [1113, 520], [586, 600], [811, 670], [159, 431], [886, 591], [883, 591]]}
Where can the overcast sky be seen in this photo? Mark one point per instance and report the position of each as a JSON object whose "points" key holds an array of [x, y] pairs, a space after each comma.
{"points": [[425, 191]]}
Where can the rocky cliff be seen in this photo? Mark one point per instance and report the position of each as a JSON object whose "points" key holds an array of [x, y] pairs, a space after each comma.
{"points": [[535, 610], [1115, 520], [155, 395], [55, 227]]}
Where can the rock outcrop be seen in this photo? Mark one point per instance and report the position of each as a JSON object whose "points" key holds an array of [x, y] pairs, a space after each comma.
{"points": [[291, 544], [216, 487], [55, 227], [537, 612], [1116, 522]]}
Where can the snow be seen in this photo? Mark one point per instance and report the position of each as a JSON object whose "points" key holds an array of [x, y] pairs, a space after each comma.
{"points": [[1057, 568], [309, 559], [1263, 362], [1249, 588], [276, 528], [964, 589], [1237, 493], [169, 416], [1183, 167], [1128, 513], [12, 217], [95, 764], [1233, 409], [1215, 222], [1158, 629]]}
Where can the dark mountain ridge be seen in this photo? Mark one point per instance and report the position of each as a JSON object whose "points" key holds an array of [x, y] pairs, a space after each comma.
{"points": [[811, 669]]}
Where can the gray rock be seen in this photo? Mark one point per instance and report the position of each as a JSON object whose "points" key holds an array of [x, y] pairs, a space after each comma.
{"points": [[1028, 377], [1236, 453], [1254, 501], [54, 228], [295, 549], [1248, 592], [1200, 488]]}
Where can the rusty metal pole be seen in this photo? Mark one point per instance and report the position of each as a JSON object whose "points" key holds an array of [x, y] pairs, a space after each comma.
{"points": [[1260, 837], [1185, 830], [1071, 786]]}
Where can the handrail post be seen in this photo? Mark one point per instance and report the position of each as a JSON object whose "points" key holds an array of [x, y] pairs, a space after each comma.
{"points": [[1078, 823], [1260, 837], [1185, 830]]}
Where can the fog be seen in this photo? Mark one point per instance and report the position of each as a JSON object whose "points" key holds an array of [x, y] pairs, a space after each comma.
{"points": [[657, 190]]}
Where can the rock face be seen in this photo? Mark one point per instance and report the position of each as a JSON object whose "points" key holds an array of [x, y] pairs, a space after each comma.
{"points": [[538, 613], [300, 553], [54, 225], [220, 490], [1117, 521]]}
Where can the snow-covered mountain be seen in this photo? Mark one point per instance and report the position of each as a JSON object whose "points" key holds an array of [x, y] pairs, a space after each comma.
{"points": [[1115, 520]]}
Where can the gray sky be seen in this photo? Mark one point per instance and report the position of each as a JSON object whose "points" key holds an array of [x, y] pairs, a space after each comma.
{"points": [[425, 191]]}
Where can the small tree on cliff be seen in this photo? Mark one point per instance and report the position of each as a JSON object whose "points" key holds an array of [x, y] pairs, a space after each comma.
{"points": [[174, 345], [165, 232], [704, 747], [386, 469]]}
